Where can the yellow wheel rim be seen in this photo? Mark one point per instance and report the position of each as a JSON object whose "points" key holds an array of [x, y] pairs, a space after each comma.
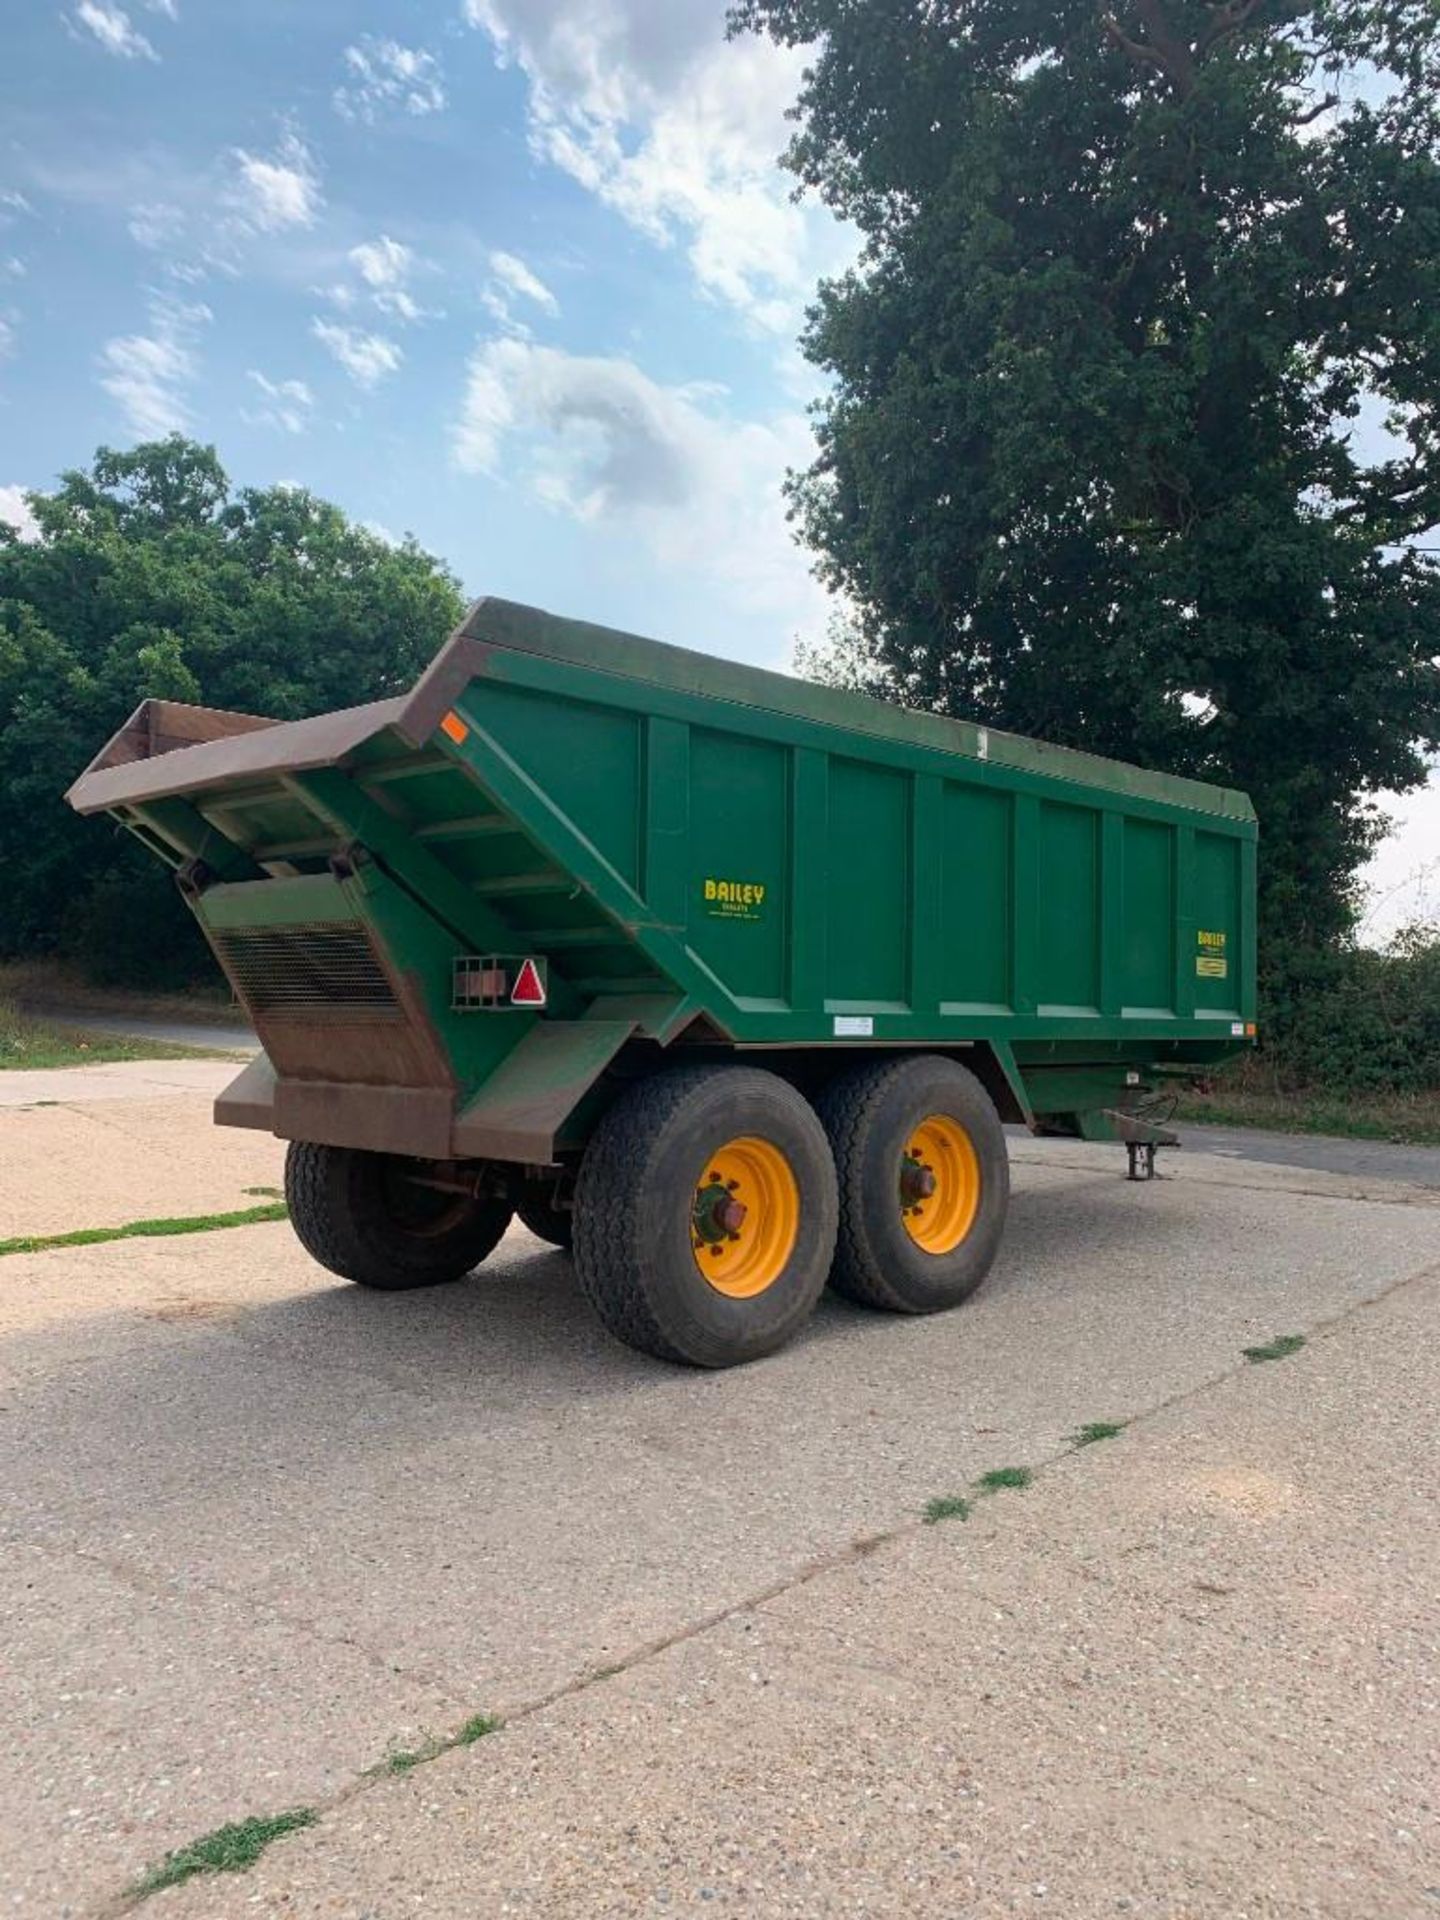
{"points": [[744, 1216], [939, 1184]]}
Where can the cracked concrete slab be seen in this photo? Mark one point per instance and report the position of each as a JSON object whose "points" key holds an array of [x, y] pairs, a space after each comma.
{"points": [[113, 1144], [115, 1080], [1189, 1672], [403, 1509]]}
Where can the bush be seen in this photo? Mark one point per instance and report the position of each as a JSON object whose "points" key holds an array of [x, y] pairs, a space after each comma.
{"points": [[150, 576], [1359, 1020]]}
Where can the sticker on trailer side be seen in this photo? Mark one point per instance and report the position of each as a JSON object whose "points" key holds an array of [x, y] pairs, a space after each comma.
{"points": [[733, 899], [854, 1026], [1210, 960]]}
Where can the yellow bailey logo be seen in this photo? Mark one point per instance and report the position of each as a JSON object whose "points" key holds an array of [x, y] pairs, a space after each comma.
{"points": [[734, 899]]}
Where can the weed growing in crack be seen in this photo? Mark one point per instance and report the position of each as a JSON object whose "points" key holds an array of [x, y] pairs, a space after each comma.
{"points": [[1000, 1479], [950, 1506], [1280, 1348], [229, 1849]]}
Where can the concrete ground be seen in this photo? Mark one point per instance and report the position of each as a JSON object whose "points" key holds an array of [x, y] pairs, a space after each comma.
{"points": [[259, 1530], [101, 1146]]}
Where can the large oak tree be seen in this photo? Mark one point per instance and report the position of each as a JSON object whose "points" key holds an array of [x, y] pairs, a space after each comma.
{"points": [[1105, 457]]}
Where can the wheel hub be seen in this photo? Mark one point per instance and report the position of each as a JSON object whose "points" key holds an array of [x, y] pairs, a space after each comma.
{"points": [[917, 1182], [939, 1184], [744, 1217]]}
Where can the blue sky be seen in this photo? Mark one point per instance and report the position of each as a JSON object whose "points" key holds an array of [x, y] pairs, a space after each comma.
{"points": [[520, 277]]}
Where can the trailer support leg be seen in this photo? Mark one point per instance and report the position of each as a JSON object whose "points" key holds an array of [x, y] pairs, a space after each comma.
{"points": [[1142, 1159]]}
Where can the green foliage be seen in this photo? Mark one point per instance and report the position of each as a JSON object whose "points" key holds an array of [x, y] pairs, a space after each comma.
{"points": [[1359, 1021], [230, 1849], [1096, 1430], [153, 577], [1092, 463]]}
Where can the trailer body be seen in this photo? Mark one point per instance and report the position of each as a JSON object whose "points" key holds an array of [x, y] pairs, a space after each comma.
{"points": [[461, 918], [699, 853]]}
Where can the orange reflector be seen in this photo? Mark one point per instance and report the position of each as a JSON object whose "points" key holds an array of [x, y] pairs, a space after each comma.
{"points": [[455, 727], [529, 989], [1251, 1030]]}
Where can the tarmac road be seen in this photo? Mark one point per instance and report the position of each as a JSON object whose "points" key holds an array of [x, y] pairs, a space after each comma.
{"points": [[260, 1532], [1365, 1159]]}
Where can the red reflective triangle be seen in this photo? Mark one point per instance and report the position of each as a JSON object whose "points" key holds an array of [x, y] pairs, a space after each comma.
{"points": [[529, 989]]}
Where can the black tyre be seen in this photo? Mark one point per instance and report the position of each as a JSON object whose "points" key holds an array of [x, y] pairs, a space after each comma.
{"points": [[705, 1215], [536, 1210], [367, 1218], [924, 1180]]}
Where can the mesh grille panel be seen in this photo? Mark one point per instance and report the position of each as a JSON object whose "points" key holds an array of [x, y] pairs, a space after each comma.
{"points": [[306, 969]]}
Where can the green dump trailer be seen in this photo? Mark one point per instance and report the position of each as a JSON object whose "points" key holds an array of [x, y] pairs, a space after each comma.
{"points": [[726, 981]]}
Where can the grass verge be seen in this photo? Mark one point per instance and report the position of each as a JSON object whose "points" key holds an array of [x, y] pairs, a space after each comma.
{"points": [[1411, 1120], [26, 1041], [229, 1849], [40, 983], [144, 1229]]}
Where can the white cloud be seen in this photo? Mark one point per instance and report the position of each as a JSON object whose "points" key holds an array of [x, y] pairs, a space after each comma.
{"points": [[513, 274], [271, 192], [12, 205], [599, 440], [156, 224], [15, 509], [286, 404], [147, 374], [385, 267], [384, 77], [8, 336], [367, 357], [646, 104], [113, 28], [13, 267], [382, 263]]}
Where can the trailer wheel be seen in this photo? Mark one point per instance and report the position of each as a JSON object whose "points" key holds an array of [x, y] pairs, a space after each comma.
{"points": [[705, 1215], [545, 1220], [924, 1182], [365, 1217]]}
